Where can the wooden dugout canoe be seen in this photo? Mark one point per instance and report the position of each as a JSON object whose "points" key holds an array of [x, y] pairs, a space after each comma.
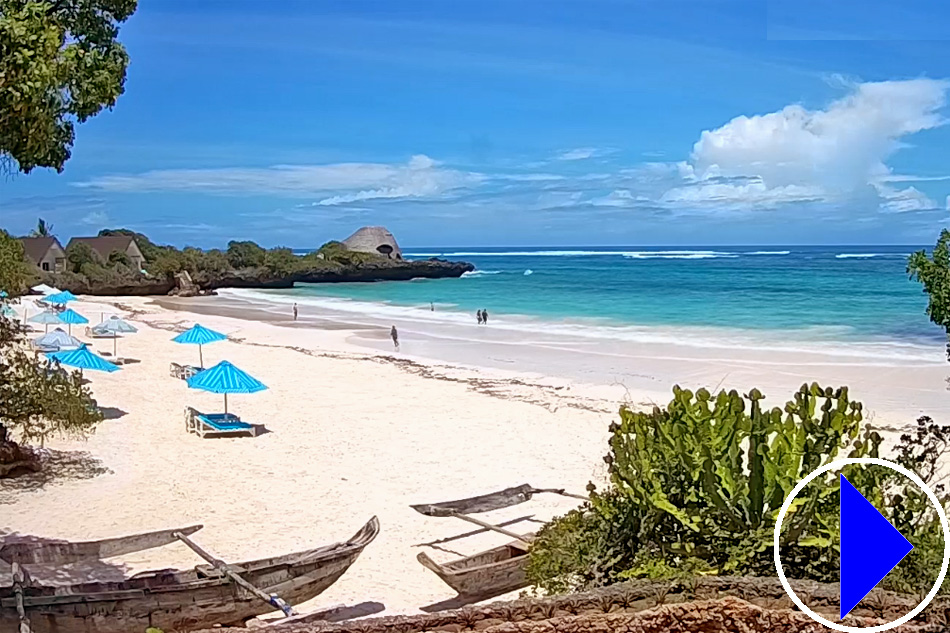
{"points": [[493, 572], [485, 575], [177, 600]]}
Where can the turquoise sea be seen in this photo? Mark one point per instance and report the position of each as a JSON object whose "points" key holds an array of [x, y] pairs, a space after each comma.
{"points": [[846, 293]]}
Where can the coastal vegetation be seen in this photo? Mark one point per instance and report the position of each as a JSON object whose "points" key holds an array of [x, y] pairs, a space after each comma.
{"points": [[695, 489], [61, 64], [933, 273], [37, 400]]}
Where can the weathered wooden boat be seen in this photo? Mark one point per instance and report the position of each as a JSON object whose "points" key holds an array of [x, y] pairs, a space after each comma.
{"points": [[169, 599], [493, 572], [485, 575]]}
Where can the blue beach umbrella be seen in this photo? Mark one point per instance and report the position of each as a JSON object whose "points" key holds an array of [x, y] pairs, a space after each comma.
{"points": [[47, 318], [61, 298], [225, 378], [3, 294], [8, 312], [57, 341], [82, 358], [199, 335], [70, 317]]}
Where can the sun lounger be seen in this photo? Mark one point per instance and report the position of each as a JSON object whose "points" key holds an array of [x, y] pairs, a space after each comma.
{"points": [[217, 424], [182, 372], [93, 332]]}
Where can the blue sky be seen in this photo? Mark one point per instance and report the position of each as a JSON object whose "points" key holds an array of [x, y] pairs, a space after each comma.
{"points": [[517, 122]]}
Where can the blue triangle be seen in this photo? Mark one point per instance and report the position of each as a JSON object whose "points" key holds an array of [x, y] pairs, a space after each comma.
{"points": [[870, 547]]}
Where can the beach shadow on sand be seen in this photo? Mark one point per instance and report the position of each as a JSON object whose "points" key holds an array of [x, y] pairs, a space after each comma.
{"points": [[112, 413], [57, 467], [91, 570]]}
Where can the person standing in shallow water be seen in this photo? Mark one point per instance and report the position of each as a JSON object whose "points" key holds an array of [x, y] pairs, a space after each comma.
{"points": [[295, 312], [485, 317], [395, 336], [478, 315]]}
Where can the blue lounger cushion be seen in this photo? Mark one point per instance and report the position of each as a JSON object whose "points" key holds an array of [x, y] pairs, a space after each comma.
{"points": [[220, 416], [225, 424]]}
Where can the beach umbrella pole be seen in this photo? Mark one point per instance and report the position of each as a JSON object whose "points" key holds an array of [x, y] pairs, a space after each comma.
{"points": [[225, 404], [115, 343], [201, 359]]}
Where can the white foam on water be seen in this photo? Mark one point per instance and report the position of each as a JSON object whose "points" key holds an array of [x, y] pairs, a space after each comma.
{"points": [[672, 254], [517, 254], [528, 272], [479, 273], [680, 255], [856, 255]]}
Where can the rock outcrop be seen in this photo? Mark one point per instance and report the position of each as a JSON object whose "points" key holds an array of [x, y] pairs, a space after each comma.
{"points": [[185, 287], [138, 287], [374, 239], [330, 272]]}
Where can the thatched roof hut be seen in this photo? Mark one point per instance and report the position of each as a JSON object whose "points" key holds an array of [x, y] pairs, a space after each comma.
{"points": [[374, 239]]}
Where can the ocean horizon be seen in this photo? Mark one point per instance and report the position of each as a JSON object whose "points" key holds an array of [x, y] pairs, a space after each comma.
{"points": [[715, 296]]}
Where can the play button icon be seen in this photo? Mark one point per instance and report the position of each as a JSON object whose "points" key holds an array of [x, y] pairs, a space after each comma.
{"points": [[870, 547]]}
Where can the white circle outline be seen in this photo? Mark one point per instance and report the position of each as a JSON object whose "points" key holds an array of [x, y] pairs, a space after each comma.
{"points": [[837, 465]]}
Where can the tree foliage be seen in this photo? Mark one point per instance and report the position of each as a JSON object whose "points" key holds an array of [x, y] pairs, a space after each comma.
{"points": [[79, 255], [60, 64], [37, 399], [150, 251], [933, 273], [14, 274], [43, 229], [245, 254], [280, 261]]}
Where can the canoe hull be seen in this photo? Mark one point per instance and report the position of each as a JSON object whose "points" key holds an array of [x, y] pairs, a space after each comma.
{"points": [[485, 575], [175, 601]]}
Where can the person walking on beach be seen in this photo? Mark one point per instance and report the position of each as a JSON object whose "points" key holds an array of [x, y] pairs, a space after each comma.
{"points": [[395, 336], [478, 315], [484, 317], [431, 307], [295, 312]]}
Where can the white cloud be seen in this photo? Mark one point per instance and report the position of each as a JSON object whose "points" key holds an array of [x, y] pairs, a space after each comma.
{"points": [[903, 200], [750, 193], [838, 150], [95, 218], [580, 153], [912, 178], [420, 177]]}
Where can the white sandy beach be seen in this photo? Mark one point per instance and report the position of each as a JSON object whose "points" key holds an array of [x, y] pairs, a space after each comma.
{"points": [[355, 432]]}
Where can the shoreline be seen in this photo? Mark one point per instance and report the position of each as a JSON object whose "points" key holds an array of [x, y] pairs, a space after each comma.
{"points": [[894, 388]]}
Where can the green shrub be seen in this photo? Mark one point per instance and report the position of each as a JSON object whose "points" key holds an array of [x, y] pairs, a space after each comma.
{"points": [[79, 254], [120, 257], [338, 253], [280, 261], [909, 510], [705, 478], [587, 548], [245, 254]]}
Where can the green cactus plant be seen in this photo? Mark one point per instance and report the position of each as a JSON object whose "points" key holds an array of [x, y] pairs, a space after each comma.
{"points": [[714, 471], [696, 487]]}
